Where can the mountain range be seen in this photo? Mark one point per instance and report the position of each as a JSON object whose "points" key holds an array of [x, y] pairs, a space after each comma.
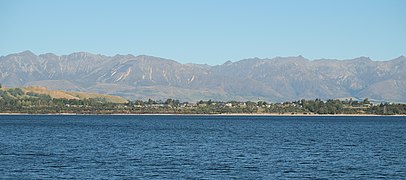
{"points": [[144, 77]]}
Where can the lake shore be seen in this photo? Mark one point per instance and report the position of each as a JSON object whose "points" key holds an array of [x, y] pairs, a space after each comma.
{"points": [[225, 114]]}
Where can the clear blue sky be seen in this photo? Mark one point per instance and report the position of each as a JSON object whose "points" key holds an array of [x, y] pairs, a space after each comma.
{"points": [[207, 31]]}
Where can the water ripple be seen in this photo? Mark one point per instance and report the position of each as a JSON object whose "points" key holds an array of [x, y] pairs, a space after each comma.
{"points": [[202, 147]]}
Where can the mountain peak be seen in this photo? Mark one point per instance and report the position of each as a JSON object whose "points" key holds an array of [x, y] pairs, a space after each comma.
{"points": [[24, 54], [364, 58], [228, 63], [27, 53], [48, 55], [399, 59], [124, 56]]}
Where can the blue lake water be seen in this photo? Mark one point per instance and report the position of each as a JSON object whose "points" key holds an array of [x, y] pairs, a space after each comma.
{"points": [[208, 147]]}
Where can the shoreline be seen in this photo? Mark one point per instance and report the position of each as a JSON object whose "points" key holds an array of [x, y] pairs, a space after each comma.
{"points": [[226, 114]]}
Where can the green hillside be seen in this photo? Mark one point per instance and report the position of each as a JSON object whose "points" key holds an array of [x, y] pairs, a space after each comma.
{"points": [[28, 92]]}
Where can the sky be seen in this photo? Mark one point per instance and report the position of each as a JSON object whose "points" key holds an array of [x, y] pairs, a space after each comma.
{"points": [[206, 31]]}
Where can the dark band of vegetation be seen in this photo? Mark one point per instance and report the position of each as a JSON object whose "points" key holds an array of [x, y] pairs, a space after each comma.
{"points": [[15, 100]]}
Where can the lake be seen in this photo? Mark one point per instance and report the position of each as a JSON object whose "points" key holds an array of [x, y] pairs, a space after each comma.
{"points": [[202, 147]]}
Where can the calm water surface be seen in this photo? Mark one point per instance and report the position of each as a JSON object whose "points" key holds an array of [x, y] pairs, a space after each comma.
{"points": [[208, 147]]}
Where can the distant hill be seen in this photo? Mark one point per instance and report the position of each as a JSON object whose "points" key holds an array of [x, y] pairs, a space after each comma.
{"points": [[74, 95], [143, 77]]}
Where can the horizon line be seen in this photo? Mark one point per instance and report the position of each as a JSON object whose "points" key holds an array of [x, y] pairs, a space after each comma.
{"points": [[248, 58]]}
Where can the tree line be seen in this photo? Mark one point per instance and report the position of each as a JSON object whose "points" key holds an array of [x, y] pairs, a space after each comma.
{"points": [[15, 100]]}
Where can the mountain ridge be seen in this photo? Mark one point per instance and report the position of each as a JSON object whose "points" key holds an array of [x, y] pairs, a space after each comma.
{"points": [[270, 79]]}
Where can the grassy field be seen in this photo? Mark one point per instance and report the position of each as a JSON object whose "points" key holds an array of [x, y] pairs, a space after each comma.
{"points": [[74, 95]]}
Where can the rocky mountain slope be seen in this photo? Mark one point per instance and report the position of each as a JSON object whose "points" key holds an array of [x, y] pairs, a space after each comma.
{"points": [[143, 77]]}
